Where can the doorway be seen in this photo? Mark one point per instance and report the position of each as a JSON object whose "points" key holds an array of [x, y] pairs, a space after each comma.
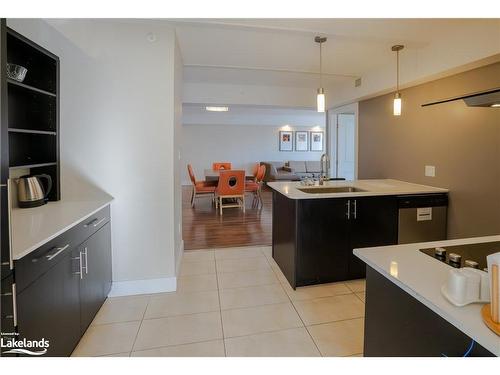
{"points": [[343, 142]]}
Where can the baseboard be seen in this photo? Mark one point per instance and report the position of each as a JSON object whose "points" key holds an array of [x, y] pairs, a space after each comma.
{"points": [[148, 286], [179, 259]]}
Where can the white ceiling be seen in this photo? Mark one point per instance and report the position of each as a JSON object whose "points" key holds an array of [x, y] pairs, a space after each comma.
{"points": [[268, 49], [276, 61], [243, 115]]}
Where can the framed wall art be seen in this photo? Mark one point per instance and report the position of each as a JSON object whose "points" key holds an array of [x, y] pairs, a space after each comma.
{"points": [[301, 141], [286, 141], [317, 141]]}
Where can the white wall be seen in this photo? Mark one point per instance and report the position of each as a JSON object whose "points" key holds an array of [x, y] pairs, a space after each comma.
{"points": [[249, 94], [242, 145], [117, 132], [177, 139]]}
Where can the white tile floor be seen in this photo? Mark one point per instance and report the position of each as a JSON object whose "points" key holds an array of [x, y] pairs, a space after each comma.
{"points": [[231, 302]]}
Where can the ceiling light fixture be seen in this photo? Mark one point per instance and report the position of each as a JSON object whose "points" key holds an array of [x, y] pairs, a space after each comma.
{"points": [[320, 98], [217, 109], [496, 105], [397, 98]]}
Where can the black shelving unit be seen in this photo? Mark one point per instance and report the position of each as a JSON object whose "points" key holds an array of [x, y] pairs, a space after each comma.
{"points": [[6, 265], [33, 110], [29, 140]]}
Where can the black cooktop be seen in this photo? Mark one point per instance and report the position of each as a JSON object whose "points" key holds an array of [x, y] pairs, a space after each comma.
{"points": [[474, 252]]}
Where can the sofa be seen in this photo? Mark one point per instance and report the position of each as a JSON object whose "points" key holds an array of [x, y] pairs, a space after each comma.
{"points": [[292, 170]]}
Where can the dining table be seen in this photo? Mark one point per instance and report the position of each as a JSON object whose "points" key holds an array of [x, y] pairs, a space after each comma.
{"points": [[211, 175]]}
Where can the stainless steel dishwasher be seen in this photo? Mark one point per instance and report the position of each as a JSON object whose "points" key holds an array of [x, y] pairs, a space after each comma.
{"points": [[422, 218]]}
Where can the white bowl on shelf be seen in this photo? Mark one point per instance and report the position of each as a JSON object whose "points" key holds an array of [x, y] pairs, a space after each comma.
{"points": [[16, 72]]}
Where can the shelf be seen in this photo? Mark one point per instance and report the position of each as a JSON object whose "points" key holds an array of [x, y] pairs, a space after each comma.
{"points": [[32, 113], [32, 149], [28, 87], [28, 131], [31, 109], [33, 166], [41, 64]]}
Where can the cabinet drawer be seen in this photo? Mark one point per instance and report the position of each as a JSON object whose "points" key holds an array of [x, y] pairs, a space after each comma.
{"points": [[35, 264], [92, 224], [7, 302]]}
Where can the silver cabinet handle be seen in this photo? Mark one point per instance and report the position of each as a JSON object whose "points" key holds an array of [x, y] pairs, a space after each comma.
{"points": [[99, 222], [355, 209], [59, 251], [86, 260], [348, 213], [14, 304], [91, 222], [95, 222], [81, 266]]}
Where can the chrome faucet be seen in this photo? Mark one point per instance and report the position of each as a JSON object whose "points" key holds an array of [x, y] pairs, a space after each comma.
{"points": [[325, 168]]}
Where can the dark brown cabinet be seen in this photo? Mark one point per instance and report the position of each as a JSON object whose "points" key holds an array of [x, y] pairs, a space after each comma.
{"points": [[399, 325], [96, 277], [50, 308], [323, 240], [313, 239], [373, 222], [63, 284]]}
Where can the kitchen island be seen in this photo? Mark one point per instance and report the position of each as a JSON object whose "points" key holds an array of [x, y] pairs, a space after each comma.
{"points": [[315, 228], [406, 314]]}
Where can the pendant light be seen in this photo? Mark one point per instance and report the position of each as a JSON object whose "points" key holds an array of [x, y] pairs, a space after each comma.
{"points": [[320, 99], [397, 98]]}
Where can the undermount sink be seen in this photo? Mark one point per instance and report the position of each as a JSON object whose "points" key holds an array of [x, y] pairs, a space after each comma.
{"points": [[329, 189]]}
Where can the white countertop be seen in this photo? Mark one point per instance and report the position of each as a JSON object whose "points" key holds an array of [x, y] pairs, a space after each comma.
{"points": [[33, 227], [421, 276], [369, 187]]}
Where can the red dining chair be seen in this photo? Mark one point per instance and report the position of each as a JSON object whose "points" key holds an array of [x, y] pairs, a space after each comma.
{"points": [[200, 188], [255, 170], [255, 187], [253, 175], [231, 186], [221, 166]]}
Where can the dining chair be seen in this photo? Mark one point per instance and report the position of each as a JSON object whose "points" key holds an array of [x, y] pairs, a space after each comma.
{"points": [[255, 171], [217, 166], [255, 187], [231, 186], [200, 188]]}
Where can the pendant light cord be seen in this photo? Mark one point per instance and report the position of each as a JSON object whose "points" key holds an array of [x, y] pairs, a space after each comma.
{"points": [[397, 70], [320, 66]]}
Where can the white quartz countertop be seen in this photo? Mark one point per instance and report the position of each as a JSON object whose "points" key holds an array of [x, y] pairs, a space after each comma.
{"points": [[422, 276], [33, 227], [369, 187]]}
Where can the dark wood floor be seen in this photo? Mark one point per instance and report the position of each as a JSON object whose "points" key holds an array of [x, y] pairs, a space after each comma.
{"points": [[203, 228]]}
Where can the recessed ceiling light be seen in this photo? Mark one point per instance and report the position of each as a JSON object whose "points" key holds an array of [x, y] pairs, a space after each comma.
{"points": [[495, 105], [217, 109]]}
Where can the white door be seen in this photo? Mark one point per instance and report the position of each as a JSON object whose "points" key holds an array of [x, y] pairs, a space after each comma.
{"points": [[346, 145], [343, 145]]}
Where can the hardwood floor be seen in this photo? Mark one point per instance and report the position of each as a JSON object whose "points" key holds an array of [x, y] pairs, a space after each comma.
{"points": [[203, 228]]}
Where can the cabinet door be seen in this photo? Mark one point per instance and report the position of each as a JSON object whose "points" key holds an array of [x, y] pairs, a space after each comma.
{"points": [[323, 241], [374, 222], [96, 281], [49, 308]]}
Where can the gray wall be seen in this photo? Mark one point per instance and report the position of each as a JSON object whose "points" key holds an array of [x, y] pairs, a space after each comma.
{"points": [[462, 142], [242, 145]]}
